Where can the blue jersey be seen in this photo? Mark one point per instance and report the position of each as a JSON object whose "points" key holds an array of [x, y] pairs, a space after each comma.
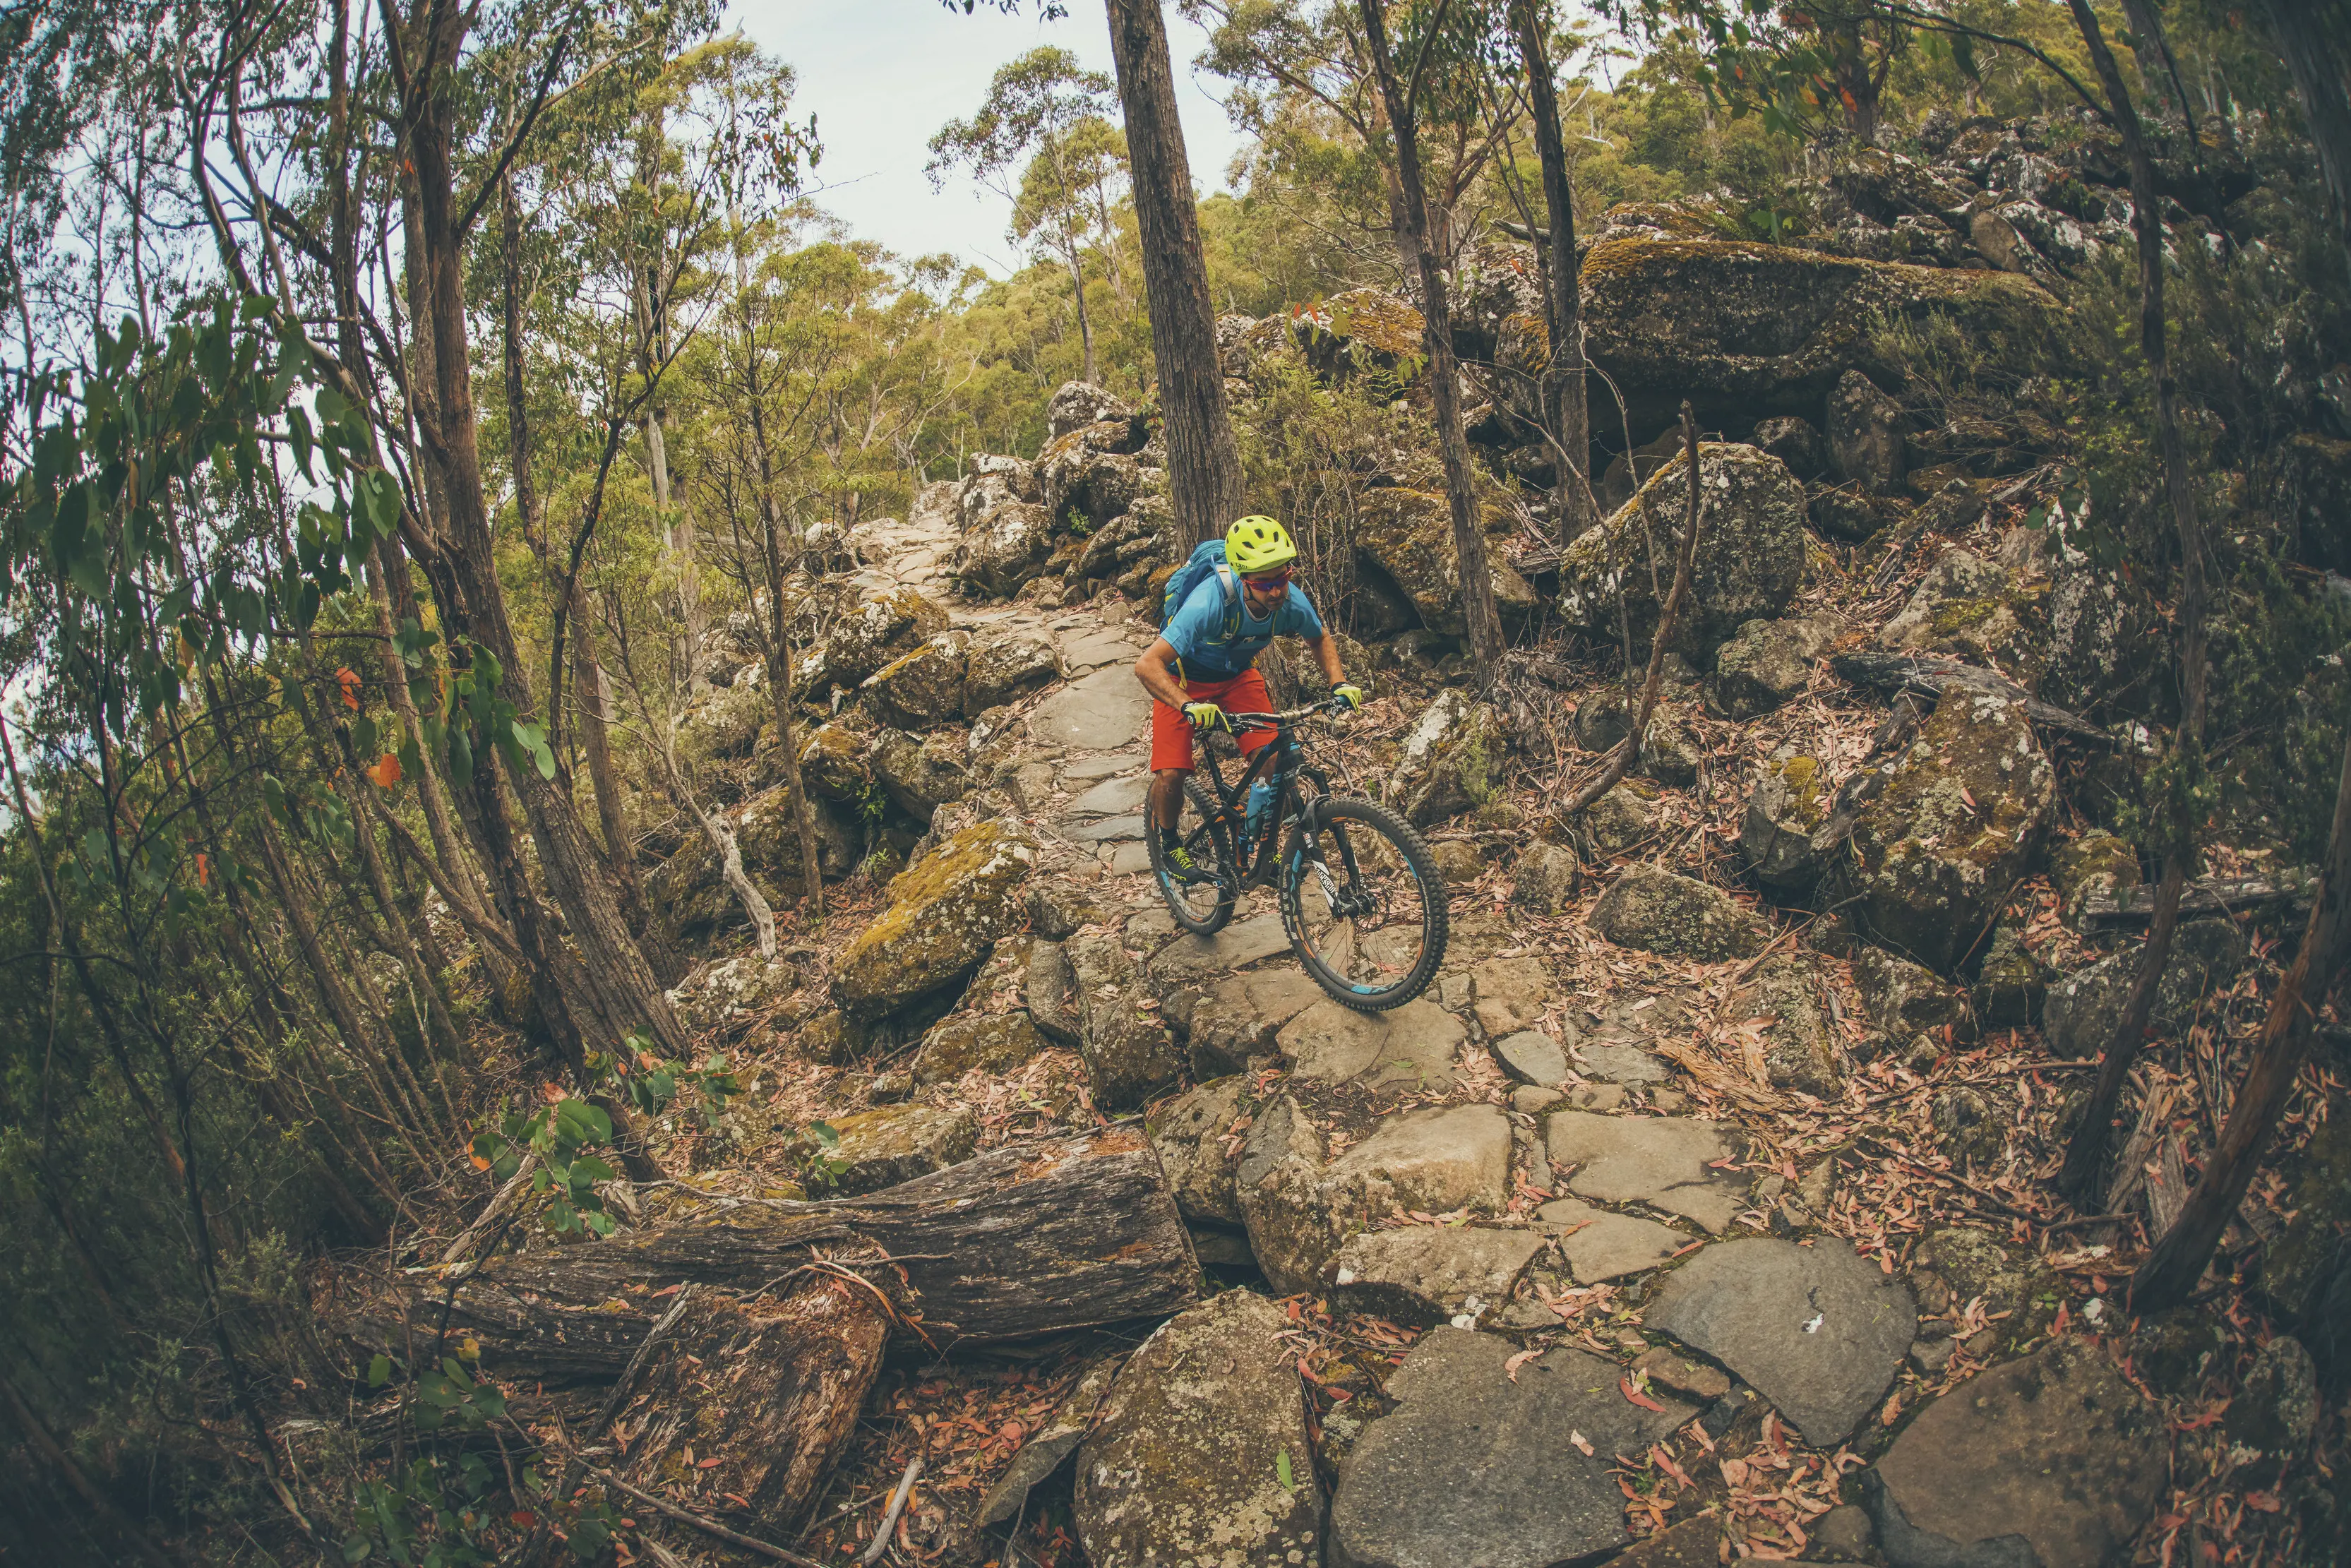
{"points": [[1196, 630]]}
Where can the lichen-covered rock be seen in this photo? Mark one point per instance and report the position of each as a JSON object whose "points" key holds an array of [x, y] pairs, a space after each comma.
{"points": [[1785, 811], [920, 775], [1010, 544], [944, 913], [729, 993], [1768, 663], [1906, 999], [1864, 433], [1546, 878], [861, 644], [1659, 911], [1128, 1055], [992, 1043], [1201, 1454], [1623, 819], [1003, 665], [689, 891], [2095, 865], [1077, 404], [1362, 331], [1934, 854], [1749, 559], [2011, 984], [1672, 753], [1407, 534], [1965, 607], [1798, 1046], [725, 723], [833, 760], [1090, 476], [1452, 761], [2079, 1018], [922, 687], [1194, 1136], [898, 1143], [1736, 325], [1792, 440]]}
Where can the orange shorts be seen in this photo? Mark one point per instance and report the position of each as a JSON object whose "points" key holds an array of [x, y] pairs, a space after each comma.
{"points": [[1171, 732]]}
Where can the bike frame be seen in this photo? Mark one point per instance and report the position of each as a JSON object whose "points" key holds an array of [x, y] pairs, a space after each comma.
{"points": [[1286, 757]]}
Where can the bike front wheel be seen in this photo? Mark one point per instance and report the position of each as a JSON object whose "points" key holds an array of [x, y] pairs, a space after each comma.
{"points": [[1363, 906], [1201, 898]]}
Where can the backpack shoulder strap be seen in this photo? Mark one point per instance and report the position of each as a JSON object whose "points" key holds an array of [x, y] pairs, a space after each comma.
{"points": [[1231, 585]]}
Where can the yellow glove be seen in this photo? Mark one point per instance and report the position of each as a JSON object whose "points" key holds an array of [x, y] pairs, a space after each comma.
{"points": [[1348, 692], [1205, 716]]}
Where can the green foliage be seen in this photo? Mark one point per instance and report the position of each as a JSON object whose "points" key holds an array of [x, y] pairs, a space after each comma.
{"points": [[818, 1162]]}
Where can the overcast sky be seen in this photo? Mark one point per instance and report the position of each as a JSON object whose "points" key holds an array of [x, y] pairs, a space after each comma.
{"points": [[882, 77]]}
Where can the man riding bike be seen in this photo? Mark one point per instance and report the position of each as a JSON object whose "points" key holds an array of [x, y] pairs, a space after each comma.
{"points": [[1201, 669]]}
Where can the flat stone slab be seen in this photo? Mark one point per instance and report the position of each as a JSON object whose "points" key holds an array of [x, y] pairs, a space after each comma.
{"points": [[1662, 1161], [1436, 1160], [1087, 650], [1613, 1063], [1423, 1275], [1105, 829], [1599, 1245], [1476, 1467], [1201, 960], [1107, 708], [1240, 1015], [1816, 1330], [2057, 1448], [1086, 770], [1110, 797], [1414, 1045], [1531, 1058], [1042, 1454], [1511, 994], [1127, 858]]}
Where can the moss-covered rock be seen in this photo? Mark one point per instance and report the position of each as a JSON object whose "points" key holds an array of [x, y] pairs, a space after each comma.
{"points": [[1765, 664], [1799, 1047], [1452, 761], [1906, 999], [1362, 331], [1677, 916], [2095, 865], [1408, 535], [2011, 984], [1010, 544], [992, 1043], [861, 644], [1964, 607], [724, 722], [898, 1143], [1003, 665], [1623, 819], [1546, 878], [920, 775], [1784, 811], [944, 913], [1193, 1134], [1201, 1453], [922, 687], [1763, 330], [688, 892], [1123, 1040], [1934, 854], [832, 759], [1749, 559], [1974, 1265], [727, 995], [2082, 1009]]}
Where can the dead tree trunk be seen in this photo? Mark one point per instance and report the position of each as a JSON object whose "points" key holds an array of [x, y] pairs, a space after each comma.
{"points": [[1565, 404], [1204, 465], [1483, 621], [1024, 1240]]}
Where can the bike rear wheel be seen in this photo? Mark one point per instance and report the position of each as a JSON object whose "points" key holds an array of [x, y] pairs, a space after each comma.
{"points": [[1364, 904], [1202, 907]]}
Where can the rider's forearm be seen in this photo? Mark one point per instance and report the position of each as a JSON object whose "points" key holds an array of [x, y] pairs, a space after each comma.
{"points": [[1160, 681], [1327, 652]]}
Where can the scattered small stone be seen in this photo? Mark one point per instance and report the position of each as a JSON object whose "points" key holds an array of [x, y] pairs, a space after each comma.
{"points": [[1682, 1374], [1929, 1356], [1532, 1100], [1842, 1534], [1531, 1058], [1599, 1245]]}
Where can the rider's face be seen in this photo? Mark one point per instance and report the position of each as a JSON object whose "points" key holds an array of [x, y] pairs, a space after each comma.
{"points": [[1267, 590]]}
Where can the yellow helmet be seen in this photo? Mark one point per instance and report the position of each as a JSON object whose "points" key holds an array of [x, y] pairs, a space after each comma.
{"points": [[1258, 544]]}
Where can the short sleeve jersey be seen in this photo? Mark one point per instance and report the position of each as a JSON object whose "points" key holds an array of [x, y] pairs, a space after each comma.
{"points": [[1196, 630]]}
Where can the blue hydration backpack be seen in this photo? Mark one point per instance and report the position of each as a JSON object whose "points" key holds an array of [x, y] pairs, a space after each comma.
{"points": [[1206, 557]]}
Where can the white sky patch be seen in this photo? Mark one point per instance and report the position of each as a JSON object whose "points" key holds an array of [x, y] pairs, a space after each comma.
{"points": [[883, 76]]}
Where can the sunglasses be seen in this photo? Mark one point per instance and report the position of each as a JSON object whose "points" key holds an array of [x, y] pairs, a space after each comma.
{"points": [[1267, 581]]}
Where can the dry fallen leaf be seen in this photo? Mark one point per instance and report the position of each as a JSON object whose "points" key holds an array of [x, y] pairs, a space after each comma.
{"points": [[1511, 1366]]}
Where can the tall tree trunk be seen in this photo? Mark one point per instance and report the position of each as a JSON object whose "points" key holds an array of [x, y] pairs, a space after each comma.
{"points": [[1566, 402], [612, 991], [1204, 465], [50, 1452], [2171, 1270], [589, 699], [2315, 43], [1078, 288], [1483, 621], [2086, 1154]]}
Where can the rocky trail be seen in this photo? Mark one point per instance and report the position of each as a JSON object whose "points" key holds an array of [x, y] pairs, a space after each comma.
{"points": [[1701, 1210]]}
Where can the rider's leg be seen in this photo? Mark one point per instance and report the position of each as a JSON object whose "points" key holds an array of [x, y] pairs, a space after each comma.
{"points": [[1171, 758], [1166, 796]]}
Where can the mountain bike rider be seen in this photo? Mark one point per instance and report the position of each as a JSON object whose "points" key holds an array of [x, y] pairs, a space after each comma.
{"points": [[1201, 669]]}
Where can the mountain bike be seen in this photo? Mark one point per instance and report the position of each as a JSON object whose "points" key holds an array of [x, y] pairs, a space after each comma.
{"points": [[1361, 900]]}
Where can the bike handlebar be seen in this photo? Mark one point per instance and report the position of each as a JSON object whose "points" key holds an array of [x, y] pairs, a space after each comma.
{"points": [[1265, 720]]}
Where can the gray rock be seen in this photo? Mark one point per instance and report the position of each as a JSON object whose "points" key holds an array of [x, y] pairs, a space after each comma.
{"points": [[1423, 1275], [1798, 1047], [1864, 433], [1906, 998], [1295, 1221], [1783, 832], [1662, 1161], [1842, 1534], [921, 688], [1436, 1160], [1671, 753], [1240, 1015], [2011, 984], [1002, 666], [1546, 878], [1599, 1245], [1659, 911], [1613, 1062], [1768, 663], [1602, 722], [1414, 1045], [1077, 404], [1185, 1462], [1125, 1044], [2277, 1406], [2057, 1448], [1793, 441], [1451, 762], [2082, 1009], [1531, 1058], [1107, 708], [898, 1143], [1052, 1443], [1476, 1466], [1202, 960], [993, 1042], [1190, 1134], [1815, 1329], [1623, 818], [1508, 995]]}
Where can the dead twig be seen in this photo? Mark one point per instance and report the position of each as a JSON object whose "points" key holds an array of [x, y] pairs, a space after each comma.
{"points": [[881, 1541], [706, 1525]]}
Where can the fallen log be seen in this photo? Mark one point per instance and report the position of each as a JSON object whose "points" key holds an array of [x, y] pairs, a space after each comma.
{"points": [[2206, 895], [1026, 1240], [1932, 677]]}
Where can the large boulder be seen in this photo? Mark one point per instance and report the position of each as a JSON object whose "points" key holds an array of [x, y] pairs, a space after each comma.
{"points": [[920, 775], [1934, 854], [1781, 833], [1452, 761], [1194, 1136], [689, 893], [1408, 535], [1125, 1042], [943, 913], [1091, 474], [893, 1143], [922, 686], [1750, 560], [1077, 404], [1201, 1454], [1748, 329], [1865, 429], [2079, 1017], [1010, 544], [991, 1042], [861, 643], [1677, 917], [1964, 607], [1765, 664]]}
